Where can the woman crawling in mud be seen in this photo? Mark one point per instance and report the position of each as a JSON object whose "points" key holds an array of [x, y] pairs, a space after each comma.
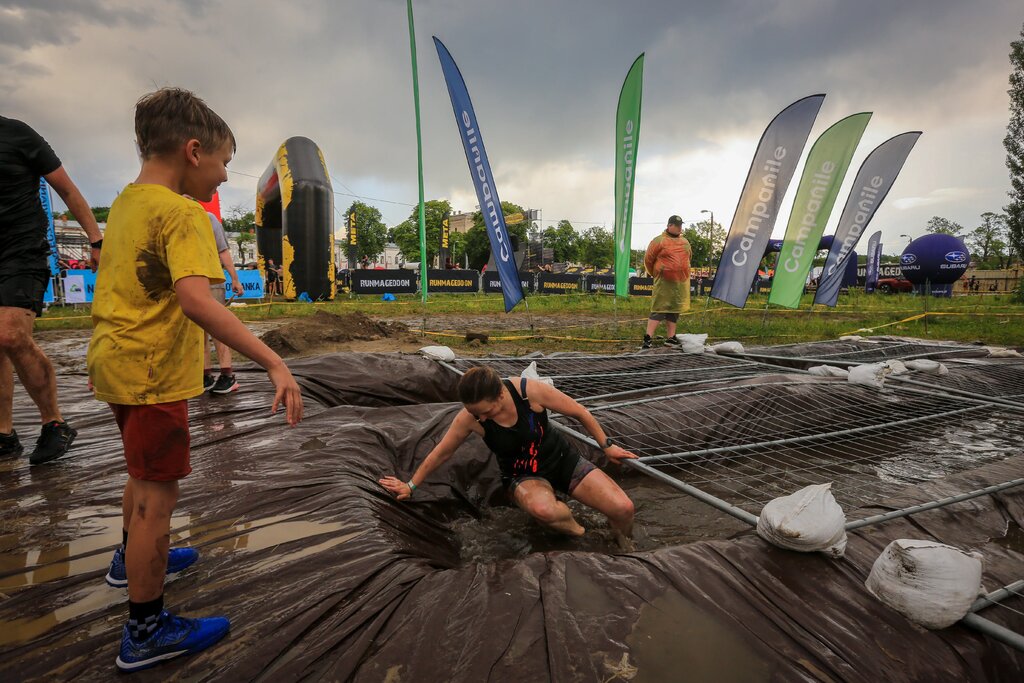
{"points": [[535, 460]]}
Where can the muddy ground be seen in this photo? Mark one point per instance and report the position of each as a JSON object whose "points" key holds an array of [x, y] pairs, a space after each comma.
{"points": [[664, 517]]}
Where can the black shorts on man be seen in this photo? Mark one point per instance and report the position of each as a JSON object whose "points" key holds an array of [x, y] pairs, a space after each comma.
{"points": [[25, 157]]}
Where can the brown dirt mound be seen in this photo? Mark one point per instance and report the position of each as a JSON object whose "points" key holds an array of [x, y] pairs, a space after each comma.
{"points": [[325, 330]]}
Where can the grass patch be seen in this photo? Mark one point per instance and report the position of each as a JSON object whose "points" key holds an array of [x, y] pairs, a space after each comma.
{"points": [[992, 319]]}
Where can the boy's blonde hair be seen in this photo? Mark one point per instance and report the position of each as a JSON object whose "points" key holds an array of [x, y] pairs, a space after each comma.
{"points": [[170, 117]]}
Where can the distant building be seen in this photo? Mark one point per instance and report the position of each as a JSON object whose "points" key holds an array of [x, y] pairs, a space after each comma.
{"points": [[72, 242], [460, 222]]}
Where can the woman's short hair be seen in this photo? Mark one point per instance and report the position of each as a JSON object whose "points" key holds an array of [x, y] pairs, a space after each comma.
{"points": [[479, 384]]}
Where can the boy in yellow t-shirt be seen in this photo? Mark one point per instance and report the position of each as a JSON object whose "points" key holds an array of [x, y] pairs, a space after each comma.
{"points": [[146, 355]]}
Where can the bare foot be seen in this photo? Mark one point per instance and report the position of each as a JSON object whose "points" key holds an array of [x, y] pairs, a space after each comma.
{"points": [[624, 542]]}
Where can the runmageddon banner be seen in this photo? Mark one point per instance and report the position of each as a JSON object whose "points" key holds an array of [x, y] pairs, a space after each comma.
{"points": [[774, 164], [483, 180], [873, 182], [627, 138]]}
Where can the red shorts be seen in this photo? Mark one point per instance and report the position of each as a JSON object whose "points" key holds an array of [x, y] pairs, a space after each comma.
{"points": [[155, 439]]}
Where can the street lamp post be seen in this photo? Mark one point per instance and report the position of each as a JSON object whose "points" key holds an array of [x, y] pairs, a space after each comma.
{"points": [[909, 238], [711, 239]]}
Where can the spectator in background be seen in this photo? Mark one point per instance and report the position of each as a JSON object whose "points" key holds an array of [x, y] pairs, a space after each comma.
{"points": [[225, 383], [668, 261], [25, 157], [272, 276]]}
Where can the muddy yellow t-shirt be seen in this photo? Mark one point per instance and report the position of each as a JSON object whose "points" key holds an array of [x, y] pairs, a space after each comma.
{"points": [[143, 349]]}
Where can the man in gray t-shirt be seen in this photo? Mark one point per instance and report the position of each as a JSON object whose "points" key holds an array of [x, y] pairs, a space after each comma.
{"points": [[225, 383]]}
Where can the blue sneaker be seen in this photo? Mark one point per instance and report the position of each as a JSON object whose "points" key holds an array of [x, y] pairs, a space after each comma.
{"points": [[174, 636], [177, 559]]}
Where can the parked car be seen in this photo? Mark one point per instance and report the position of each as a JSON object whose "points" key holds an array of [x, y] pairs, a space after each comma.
{"points": [[888, 285]]}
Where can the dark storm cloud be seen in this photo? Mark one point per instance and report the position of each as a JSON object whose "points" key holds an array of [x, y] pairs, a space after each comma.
{"points": [[544, 77]]}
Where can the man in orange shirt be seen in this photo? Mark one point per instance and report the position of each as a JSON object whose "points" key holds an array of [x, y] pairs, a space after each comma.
{"points": [[668, 261]]}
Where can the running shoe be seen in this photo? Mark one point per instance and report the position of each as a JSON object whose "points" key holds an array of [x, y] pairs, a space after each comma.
{"points": [[208, 381], [175, 636], [225, 385], [10, 445], [646, 344], [55, 438], [673, 341], [177, 559]]}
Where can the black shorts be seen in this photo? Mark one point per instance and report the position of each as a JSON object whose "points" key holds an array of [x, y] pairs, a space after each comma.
{"points": [[667, 317], [24, 272], [564, 476]]}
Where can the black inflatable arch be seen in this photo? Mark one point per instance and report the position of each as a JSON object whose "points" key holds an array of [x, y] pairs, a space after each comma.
{"points": [[295, 220]]}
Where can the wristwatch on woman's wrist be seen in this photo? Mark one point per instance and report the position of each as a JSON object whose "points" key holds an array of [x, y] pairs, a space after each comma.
{"points": [[98, 244], [608, 443]]}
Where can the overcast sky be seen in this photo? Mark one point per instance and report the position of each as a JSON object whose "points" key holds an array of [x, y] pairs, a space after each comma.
{"points": [[544, 77]]}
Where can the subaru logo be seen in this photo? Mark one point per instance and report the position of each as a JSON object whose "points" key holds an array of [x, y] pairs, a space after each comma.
{"points": [[907, 259], [956, 257]]}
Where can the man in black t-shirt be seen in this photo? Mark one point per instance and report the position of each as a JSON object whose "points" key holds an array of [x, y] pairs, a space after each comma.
{"points": [[25, 157]]}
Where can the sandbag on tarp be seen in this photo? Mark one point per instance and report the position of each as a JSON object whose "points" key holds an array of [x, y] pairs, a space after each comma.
{"points": [[808, 520], [928, 367], [829, 371], [932, 584]]}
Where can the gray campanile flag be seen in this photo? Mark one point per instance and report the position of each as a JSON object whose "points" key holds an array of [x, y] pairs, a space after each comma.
{"points": [[773, 166]]}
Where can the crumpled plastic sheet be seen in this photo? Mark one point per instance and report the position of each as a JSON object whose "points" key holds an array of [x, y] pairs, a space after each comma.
{"points": [[325, 577]]}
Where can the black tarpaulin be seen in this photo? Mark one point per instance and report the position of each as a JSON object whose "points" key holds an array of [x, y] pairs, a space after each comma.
{"points": [[325, 577]]}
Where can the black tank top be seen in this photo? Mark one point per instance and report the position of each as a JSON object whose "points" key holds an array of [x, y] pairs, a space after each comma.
{"points": [[528, 448]]}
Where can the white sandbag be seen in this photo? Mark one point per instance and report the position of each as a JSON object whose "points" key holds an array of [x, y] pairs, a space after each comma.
{"points": [[869, 374], [438, 353], [928, 366], [828, 371], [531, 373], [896, 367], [807, 521], [852, 337], [1001, 352], [930, 583], [692, 343], [727, 347]]}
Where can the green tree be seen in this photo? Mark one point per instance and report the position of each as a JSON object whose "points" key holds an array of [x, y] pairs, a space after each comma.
{"points": [[478, 244], [981, 239], [407, 233], [1014, 144], [242, 224], [636, 259], [706, 241], [457, 248], [563, 240], [371, 233], [100, 213], [597, 247], [937, 225]]}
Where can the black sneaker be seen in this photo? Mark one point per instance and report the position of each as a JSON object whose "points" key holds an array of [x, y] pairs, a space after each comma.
{"points": [[10, 446], [646, 344], [208, 381], [55, 439], [225, 384], [673, 341]]}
